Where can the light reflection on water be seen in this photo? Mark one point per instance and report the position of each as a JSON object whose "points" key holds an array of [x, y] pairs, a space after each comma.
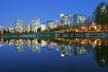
{"points": [[66, 47]]}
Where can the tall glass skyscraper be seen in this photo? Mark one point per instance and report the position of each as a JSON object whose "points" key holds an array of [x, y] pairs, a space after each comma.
{"points": [[43, 26], [65, 19], [79, 19], [35, 25], [50, 24], [19, 26], [2, 28]]}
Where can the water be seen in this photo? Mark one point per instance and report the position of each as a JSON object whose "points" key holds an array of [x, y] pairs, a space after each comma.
{"points": [[56, 55]]}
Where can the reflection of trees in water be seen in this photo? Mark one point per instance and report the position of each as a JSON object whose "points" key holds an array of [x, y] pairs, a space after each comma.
{"points": [[101, 55], [39, 41]]}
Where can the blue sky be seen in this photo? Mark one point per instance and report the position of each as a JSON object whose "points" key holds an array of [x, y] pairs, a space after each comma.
{"points": [[11, 10]]}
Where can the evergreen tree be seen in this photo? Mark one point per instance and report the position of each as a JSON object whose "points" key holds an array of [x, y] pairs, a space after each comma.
{"points": [[39, 29], [101, 14]]}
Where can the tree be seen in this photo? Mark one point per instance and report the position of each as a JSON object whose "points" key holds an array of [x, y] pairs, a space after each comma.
{"points": [[39, 29], [101, 14], [4, 31]]}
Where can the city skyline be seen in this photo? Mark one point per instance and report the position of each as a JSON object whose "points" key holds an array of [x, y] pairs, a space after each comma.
{"points": [[65, 20], [54, 35], [45, 10]]}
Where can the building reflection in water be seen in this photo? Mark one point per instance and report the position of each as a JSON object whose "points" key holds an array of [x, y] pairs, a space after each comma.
{"points": [[35, 45], [67, 47], [19, 45], [2, 42]]}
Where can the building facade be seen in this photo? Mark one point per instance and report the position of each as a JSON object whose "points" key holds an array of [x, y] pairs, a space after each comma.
{"points": [[43, 26], [65, 19], [2, 29], [50, 24], [79, 20], [35, 25], [19, 26]]}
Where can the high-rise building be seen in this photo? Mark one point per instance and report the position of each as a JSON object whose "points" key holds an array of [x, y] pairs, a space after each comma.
{"points": [[11, 29], [56, 24], [43, 26], [35, 25], [79, 20], [28, 28], [65, 19], [19, 26], [50, 24], [1, 28]]}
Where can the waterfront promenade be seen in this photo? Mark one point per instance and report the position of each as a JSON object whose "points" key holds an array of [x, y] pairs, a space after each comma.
{"points": [[57, 35]]}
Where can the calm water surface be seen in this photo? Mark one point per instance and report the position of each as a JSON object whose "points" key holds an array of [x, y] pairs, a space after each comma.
{"points": [[60, 55]]}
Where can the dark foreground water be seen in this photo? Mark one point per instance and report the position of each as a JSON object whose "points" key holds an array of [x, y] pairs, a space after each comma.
{"points": [[72, 55]]}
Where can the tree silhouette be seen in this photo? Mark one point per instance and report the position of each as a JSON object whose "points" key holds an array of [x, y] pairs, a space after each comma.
{"points": [[101, 55], [101, 14], [39, 29]]}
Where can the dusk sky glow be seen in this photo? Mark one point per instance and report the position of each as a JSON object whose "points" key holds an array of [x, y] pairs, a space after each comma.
{"points": [[27, 10]]}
